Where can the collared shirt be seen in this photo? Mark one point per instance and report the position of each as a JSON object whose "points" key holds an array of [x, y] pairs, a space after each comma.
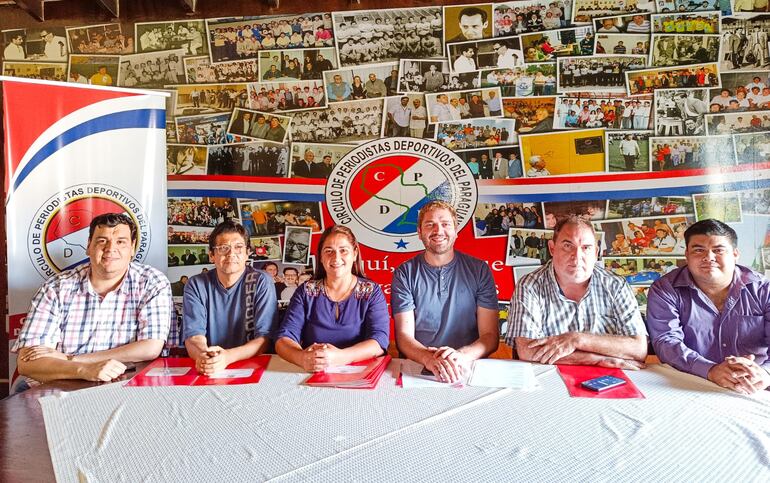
{"points": [[540, 309], [401, 115], [689, 332], [444, 299], [67, 314]]}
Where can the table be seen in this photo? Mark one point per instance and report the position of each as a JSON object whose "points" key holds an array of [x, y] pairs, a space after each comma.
{"points": [[686, 429]]}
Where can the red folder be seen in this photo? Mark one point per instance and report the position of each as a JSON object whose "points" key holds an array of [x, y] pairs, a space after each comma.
{"points": [[192, 378], [365, 379], [573, 376]]}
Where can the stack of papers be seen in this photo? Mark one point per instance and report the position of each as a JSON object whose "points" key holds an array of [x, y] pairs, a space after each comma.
{"points": [[180, 371], [503, 373], [358, 375]]}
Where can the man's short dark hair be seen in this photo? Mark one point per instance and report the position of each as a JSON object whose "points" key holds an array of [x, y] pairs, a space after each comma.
{"points": [[711, 227], [290, 268], [472, 12], [228, 226], [269, 264], [573, 219], [111, 220]]}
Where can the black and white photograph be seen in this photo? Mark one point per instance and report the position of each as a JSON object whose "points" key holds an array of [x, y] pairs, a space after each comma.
{"points": [[199, 70], [38, 44], [234, 38], [97, 70], [622, 44], [362, 82], [695, 152], [342, 122], [752, 148], [744, 43], [532, 114], [52, 71], [512, 18], [611, 112], [406, 115], [284, 96], [646, 81], [252, 124], [152, 69], [683, 49], [742, 91], [201, 211], [636, 23], [204, 129], [680, 112], [475, 133], [314, 160], [373, 36], [181, 34], [687, 22], [546, 46], [305, 64], [532, 80], [296, 246], [626, 151], [498, 163], [417, 75], [503, 53], [495, 219], [257, 159], [185, 159], [208, 98], [467, 22], [472, 104], [737, 122], [583, 11], [528, 247], [99, 39], [603, 73]]}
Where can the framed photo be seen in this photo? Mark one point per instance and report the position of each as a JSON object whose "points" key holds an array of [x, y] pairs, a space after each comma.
{"points": [[687, 22], [643, 270], [513, 18], [645, 81], [99, 40], [681, 112], [263, 159], [416, 75], [475, 133], [296, 247], [200, 212], [752, 148], [204, 129], [259, 125], [556, 210], [737, 122], [286, 96], [467, 22], [603, 110], [651, 206], [503, 53], [495, 219], [151, 70], [199, 70], [363, 82], [741, 91], [621, 44], [53, 71], [584, 10], [684, 49], [637, 23], [547, 45], [744, 43], [471, 104], [532, 114], [674, 153], [528, 247], [186, 159], [171, 35], [654, 236], [627, 151], [98, 70], [305, 64], [532, 80], [342, 122], [602, 73], [567, 152], [35, 44], [725, 207], [505, 162], [314, 160]]}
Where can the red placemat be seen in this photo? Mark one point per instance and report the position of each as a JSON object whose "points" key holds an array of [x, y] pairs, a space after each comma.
{"points": [[164, 369], [573, 376]]}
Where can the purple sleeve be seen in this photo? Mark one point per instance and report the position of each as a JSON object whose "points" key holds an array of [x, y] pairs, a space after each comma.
{"points": [[294, 321], [377, 321], [666, 331]]}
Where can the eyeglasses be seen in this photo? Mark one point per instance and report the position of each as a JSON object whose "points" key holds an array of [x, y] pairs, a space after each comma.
{"points": [[225, 249], [298, 246]]}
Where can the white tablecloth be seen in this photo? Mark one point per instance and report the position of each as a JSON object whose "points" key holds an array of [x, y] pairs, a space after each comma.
{"points": [[686, 429]]}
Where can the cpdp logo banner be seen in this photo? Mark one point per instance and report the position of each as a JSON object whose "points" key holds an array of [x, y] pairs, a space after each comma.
{"points": [[378, 188], [74, 152]]}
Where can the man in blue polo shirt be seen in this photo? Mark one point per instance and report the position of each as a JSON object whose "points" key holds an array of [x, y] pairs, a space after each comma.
{"points": [[444, 302], [229, 312]]}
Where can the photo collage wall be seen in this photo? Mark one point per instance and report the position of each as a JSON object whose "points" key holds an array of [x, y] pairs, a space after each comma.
{"points": [[601, 91]]}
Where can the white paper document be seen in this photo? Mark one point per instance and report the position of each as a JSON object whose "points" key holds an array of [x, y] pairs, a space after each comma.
{"points": [[232, 373], [503, 373], [411, 377], [168, 371]]}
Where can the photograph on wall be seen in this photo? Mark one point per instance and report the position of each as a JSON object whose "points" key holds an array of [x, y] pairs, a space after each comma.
{"points": [[683, 49], [645, 236], [495, 219], [499, 163], [97, 70], [152, 70], [286, 96], [99, 39], [286, 276], [256, 158], [52, 71], [547, 45], [371, 36], [532, 80], [304, 64], [566, 152], [179, 275], [752, 148], [180, 34], [756, 202], [603, 73], [313, 160], [361, 82], [199, 70], [687, 22], [235, 38], [627, 151], [502, 53], [406, 116], [665, 6], [742, 91], [651, 206], [744, 43], [737, 122], [584, 10], [512, 18], [38, 44], [471, 104], [204, 129], [296, 247], [642, 270], [200, 211], [744, 7], [520, 272], [621, 44], [532, 114], [528, 247], [475, 133], [554, 211], [184, 255], [189, 235], [208, 98], [607, 111], [467, 22], [681, 112], [646, 81], [280, 214], [265, 248], [725, 207], [636, 23], [252, 124], [185, 159], [674, 153], [343, 122], [417, 75]]}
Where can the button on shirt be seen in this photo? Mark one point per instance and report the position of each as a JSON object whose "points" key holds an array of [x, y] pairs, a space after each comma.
{"points": [[690, 334], [66, 313], [444, 299], [540, 309]]}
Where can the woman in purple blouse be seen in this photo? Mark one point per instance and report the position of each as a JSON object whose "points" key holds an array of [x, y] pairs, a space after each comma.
{"points": [[338, 317]]}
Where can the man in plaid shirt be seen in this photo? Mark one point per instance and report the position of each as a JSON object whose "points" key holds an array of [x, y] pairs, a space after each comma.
{"points": [[88, 322], [571, 311]]}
